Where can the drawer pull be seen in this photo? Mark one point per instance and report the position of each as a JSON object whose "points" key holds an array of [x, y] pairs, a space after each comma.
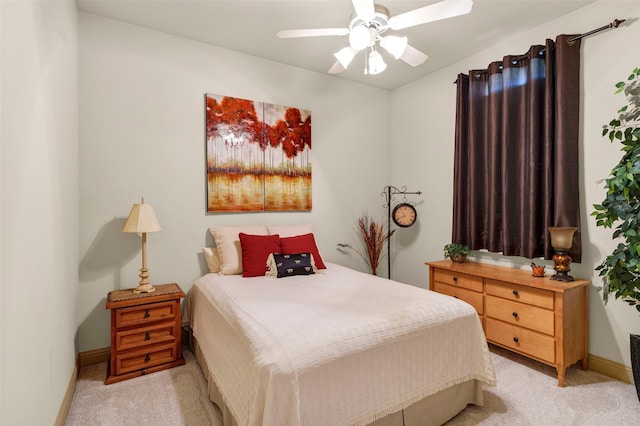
{"points": [[515, 293], [146, 313], [147, 336], [515, 339], [455, 279], [515, 314], [147, 358]]}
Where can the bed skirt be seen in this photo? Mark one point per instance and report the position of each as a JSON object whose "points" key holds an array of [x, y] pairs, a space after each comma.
{"points": [[434, 410]]}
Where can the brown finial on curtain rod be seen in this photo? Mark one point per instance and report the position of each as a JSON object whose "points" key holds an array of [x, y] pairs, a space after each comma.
{"points": [[615, 24]]}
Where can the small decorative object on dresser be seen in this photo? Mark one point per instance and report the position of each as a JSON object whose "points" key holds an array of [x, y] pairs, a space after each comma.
{"points": [[456, 252], [145, 332], [539, 318], [537, 270]]}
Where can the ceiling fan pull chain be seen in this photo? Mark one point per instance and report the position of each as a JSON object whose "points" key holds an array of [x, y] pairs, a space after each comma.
{"points": [[366, 59]]}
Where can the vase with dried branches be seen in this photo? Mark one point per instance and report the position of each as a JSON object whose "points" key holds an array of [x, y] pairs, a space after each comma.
{"points": [[373, 237]]}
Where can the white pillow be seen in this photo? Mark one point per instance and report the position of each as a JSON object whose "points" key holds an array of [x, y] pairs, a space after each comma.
{"points": [[212, 257], [228, 244], [290, 230]]}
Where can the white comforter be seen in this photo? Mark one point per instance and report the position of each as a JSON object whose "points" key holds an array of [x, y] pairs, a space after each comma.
{"points": [[335, 348]]}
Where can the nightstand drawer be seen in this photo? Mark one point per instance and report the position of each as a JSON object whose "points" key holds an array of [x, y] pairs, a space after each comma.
{"points": [[144, 314], [459, 280], [521, 340], [519, 314], [520, 293], [145, 358], [142, 336], [471, 297]]}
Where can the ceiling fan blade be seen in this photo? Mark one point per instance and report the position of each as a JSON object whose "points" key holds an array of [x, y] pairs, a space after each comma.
{"points": [[364, 9], [413, 56], [316, 32], [336, 68], [433, 12]]}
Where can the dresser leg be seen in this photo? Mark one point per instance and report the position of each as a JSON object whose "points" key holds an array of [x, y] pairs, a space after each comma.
{"points": [[561, 372], [584, 363]]}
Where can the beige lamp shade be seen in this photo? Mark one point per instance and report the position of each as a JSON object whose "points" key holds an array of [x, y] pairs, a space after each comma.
{"points": [[141, 218], [562, 237]]}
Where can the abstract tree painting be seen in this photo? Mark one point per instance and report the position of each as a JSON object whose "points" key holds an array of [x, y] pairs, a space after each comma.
{"points": [[258, 156]]}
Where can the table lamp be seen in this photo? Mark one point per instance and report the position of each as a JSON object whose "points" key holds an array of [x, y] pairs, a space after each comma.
{"points": [[561, 241], [142, 219]]}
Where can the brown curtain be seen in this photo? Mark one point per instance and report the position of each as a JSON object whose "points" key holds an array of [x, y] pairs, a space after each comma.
{"points": [[516, 168]]}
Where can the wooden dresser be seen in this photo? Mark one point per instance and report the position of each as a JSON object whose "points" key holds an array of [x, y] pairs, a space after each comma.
{"points": [[540, 318], [145, 332]]}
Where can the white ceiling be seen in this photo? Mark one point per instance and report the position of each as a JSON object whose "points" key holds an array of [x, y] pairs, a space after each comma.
{"points": [[250, 26]]}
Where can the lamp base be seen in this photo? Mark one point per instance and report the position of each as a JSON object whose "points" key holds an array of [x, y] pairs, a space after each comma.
{"points": [[144, 288], [562, 266], [562, 277]]}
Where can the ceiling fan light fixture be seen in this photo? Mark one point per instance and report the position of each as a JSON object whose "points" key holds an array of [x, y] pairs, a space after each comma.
{"points": [[360, 37], [376, 63], [345, 56], [395, 45]]}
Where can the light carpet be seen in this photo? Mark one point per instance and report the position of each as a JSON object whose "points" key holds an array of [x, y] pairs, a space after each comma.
{"points": [[526, 394]]}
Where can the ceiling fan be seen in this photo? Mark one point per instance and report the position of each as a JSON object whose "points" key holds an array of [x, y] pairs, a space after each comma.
{"points": [[369, 24]]}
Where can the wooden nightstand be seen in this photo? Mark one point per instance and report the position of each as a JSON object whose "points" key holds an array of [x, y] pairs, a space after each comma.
{"points": [[145, 332]]}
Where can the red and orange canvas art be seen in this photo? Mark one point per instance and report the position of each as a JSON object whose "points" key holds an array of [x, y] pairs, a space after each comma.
{"points": [[258, 156]]}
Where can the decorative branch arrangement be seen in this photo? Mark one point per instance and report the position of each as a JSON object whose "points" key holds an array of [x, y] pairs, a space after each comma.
{"points": [[373, 236]]}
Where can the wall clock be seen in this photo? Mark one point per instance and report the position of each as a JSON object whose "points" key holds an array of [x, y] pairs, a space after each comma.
{"points": [[404, 215]]}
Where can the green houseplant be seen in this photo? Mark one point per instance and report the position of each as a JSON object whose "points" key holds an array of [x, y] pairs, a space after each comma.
{"points": [[620, 210], [456, 252]]}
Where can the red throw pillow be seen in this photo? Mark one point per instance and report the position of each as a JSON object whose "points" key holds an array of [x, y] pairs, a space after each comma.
{"points": [[302, 244], [255, 250]]}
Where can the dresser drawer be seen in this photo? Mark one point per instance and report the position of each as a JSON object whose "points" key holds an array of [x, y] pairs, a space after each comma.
{"points": [[145, 358], [143, 336], [522, 340], [471, 297], [531, 317], [459, 280], [520, 293], [143, 314]]}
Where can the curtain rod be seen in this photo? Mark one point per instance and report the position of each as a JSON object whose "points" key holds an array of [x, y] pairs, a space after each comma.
{"points": [[615, 24]]}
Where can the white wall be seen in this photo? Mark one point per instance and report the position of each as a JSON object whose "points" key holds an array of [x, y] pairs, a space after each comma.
{"points": [[39, 219], [422, 125], [142, 134]]}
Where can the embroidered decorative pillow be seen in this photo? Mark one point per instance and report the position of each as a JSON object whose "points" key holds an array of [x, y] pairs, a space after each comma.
{"points": [[288, 265]]}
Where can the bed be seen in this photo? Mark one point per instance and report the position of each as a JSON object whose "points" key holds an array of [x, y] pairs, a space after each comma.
{"points": [[336, 347]]}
